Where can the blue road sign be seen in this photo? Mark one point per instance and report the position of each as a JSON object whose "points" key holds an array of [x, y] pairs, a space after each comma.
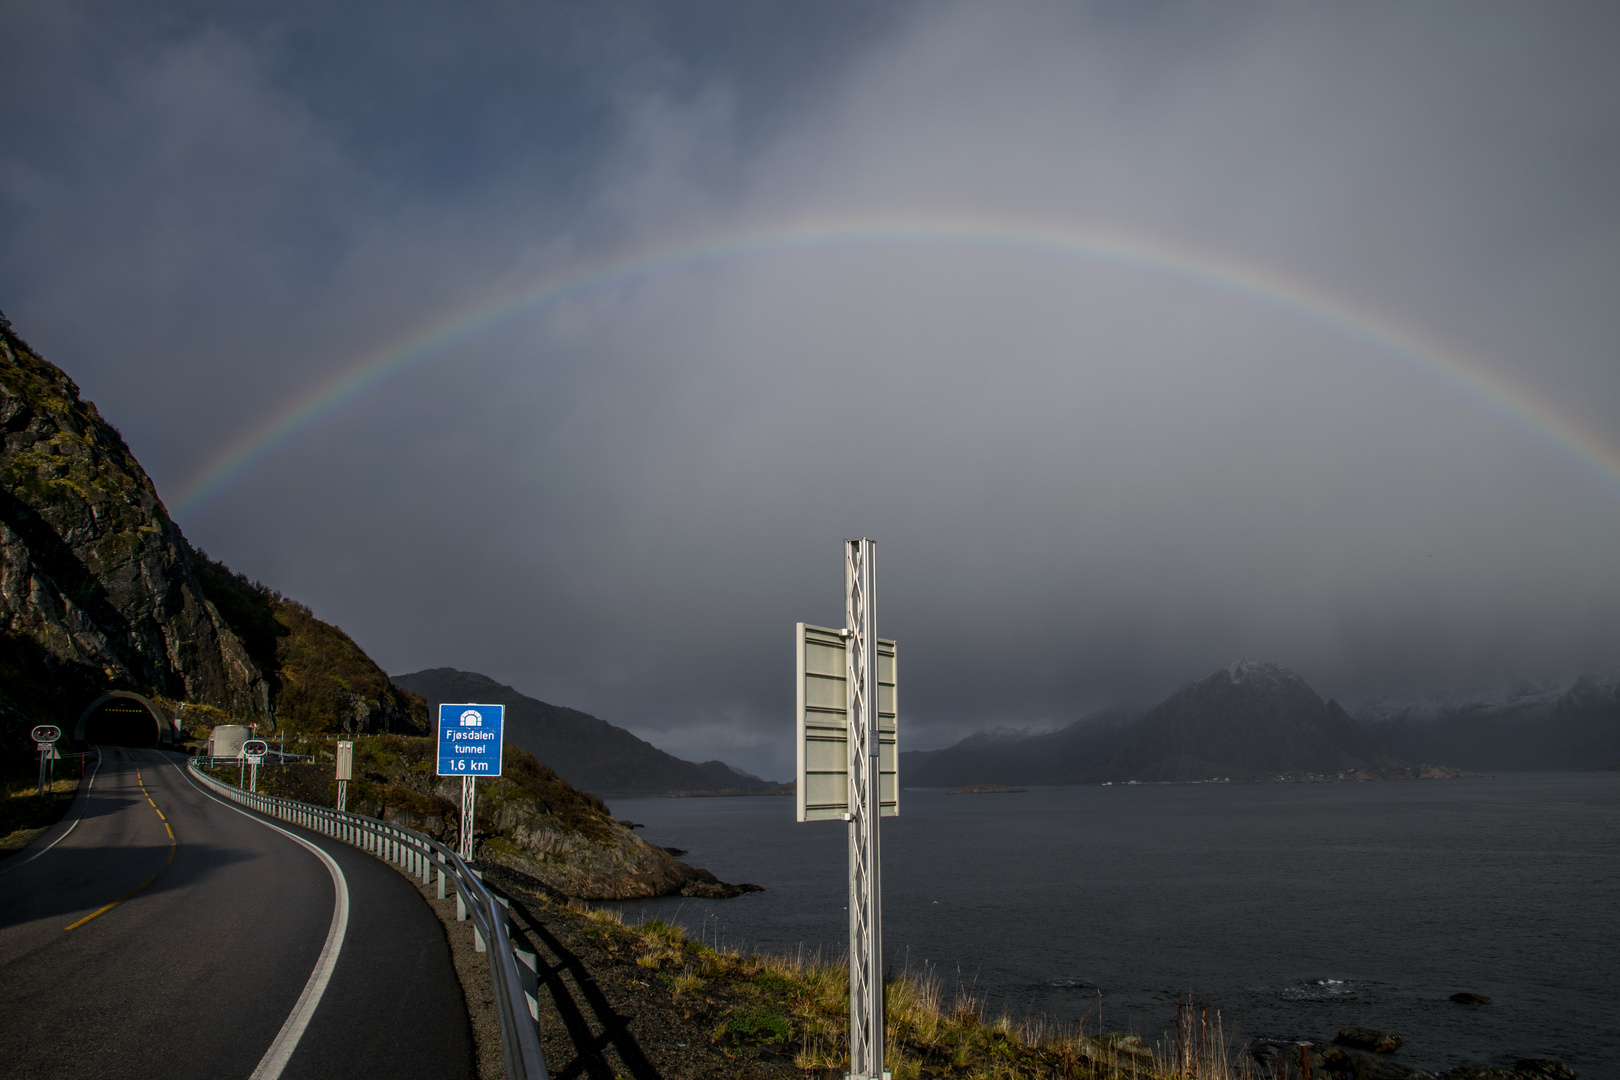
{"points": [[470, 740]]}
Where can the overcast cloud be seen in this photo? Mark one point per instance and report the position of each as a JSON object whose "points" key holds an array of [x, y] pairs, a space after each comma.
{"points": [[1088, 482]]}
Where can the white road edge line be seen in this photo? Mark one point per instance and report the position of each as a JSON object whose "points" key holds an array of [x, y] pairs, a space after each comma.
{"points": [[286, 1041], [76, 820]]}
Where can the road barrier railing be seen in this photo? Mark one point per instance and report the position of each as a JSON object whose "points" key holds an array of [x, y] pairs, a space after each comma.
{"points": [[513, 970]]}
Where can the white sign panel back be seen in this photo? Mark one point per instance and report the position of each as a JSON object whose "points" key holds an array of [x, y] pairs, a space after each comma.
{"points": [[823, 743]]}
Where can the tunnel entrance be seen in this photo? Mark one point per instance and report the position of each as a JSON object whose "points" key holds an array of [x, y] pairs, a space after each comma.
{"points": [[121, 719]]}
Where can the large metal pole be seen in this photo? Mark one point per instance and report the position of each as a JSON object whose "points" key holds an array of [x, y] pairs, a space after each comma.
{"points": [[467, 818], [865, 894]]}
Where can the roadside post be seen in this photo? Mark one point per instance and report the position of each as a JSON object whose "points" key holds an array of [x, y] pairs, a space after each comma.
{"points": [[470, 747], [345, 772], [254, 750], [45, 736], [848, 770]]}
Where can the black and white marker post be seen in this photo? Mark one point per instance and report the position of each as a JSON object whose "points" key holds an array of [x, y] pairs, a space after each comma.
{"points": [[45, 737], [254, 751]]}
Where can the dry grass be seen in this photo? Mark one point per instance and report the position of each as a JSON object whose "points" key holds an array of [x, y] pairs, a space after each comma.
{"points": [[25, 814], [800, 1001]]}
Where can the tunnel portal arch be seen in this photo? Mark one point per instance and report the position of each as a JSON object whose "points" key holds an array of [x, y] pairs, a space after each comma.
{"points": [[113, 718]]}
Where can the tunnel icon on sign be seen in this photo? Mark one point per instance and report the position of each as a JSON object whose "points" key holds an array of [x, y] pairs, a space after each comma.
{"points": [[472, 718]]}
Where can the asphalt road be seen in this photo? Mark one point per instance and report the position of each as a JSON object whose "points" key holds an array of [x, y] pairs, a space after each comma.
{"points": [[202, 965]]}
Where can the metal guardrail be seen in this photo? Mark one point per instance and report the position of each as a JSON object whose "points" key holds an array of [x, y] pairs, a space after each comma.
{"points": [[513, 970]]}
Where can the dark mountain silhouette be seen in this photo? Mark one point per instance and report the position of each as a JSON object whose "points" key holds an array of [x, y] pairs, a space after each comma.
{"points": [[1524, 728], [589, 753], [1248, 721], [1014, 757]]}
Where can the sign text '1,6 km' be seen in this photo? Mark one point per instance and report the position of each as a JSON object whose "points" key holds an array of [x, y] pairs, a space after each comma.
{"points": [[470, 740]]}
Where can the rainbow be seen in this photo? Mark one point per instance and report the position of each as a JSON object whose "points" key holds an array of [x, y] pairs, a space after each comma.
{"points": [[390, 359]]}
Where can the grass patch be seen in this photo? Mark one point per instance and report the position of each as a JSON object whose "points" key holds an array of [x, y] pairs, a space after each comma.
{"points": [[25, 814], [797, 1007]]}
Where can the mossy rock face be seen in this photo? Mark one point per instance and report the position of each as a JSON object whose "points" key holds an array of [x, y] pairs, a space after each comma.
{"points": [[100, 591], [98, 588]]}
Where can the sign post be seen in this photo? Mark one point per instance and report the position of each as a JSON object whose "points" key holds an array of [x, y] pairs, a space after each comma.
{"points": [[470, 747], [45, 736], [848, 770], [254, 750], [345, 772]]}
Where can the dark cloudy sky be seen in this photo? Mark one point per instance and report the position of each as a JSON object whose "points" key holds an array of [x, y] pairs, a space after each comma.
{"points": [[1089, 479]]}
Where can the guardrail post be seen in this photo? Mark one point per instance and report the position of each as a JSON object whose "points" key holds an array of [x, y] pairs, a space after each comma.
{"points": [[529, 973], [441, 882]]}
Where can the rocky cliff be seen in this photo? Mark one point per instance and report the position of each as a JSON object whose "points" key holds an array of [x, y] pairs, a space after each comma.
{"points": [[97, 586], [319, 679], [100, 591]]}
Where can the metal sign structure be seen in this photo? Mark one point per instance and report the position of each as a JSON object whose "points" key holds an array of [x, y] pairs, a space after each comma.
{"points": [[254, 750], [45, 736], [823, 716], [848, 769], [470, 747], [345, 772]]}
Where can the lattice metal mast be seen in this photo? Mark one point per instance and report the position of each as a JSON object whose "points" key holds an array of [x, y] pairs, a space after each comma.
{"points": [[865, 807], [469, 789]]}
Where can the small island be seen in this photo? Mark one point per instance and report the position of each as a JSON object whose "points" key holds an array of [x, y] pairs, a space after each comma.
{"points": [[984, 789]]}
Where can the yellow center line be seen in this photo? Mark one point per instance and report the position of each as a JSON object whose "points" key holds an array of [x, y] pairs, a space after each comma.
{"points": [[120, 900], [173, 847]]}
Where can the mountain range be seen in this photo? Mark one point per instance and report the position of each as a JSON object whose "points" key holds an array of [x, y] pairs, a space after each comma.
{"points": [[1248, 721], [1525, 727]]}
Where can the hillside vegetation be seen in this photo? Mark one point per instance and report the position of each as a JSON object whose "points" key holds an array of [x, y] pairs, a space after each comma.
{"points": [[319, 679]]}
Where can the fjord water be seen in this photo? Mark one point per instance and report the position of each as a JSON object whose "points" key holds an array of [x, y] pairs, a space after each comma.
{"points": [[1296, 909]]}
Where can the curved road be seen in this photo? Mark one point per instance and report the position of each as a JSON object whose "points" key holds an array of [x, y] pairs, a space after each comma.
{"points": [[223, 952]]}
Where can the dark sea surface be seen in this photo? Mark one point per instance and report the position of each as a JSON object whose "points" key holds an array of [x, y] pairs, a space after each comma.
{"points": [[1296, 909]]}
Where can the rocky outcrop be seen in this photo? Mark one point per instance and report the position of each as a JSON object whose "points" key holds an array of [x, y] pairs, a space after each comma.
{"points": [[97, 586], [611, 864], [1361, 1053], [1366, 1038]]}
